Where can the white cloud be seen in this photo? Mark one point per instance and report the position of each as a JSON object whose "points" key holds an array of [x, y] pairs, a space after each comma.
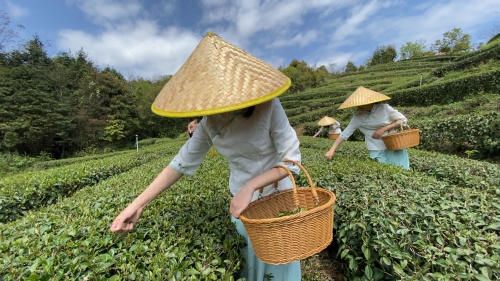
{"points": [[299, 40], [142, 48], [359, 14], [15, 11], [273, 30], [433, 22], [248, 17], [102, 11], [383, 23], [340, 58]]}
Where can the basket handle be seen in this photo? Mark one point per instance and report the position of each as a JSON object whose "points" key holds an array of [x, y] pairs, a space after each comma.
{"points": [[294, 187], [407, 125], [313, 188]]}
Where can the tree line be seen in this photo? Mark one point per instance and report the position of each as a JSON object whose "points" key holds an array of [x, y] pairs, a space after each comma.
{"points": [[67, 104]]}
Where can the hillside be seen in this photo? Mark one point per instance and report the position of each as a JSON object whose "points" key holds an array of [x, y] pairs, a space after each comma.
{"points": [[440, 220], [429, 223], [458, 100]]}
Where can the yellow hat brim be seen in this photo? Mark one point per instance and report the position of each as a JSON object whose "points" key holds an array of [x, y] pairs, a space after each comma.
{"points": [[218, 77], [363, 96]]}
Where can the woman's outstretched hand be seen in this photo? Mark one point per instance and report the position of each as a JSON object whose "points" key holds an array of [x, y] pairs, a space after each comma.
{"points": [[125, 221], [240, 201], [329, 155]]}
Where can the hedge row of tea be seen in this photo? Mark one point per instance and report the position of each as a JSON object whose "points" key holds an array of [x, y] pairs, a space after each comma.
{"points": [[448, 91], [452, 169], [393, 224], [477, 131], [63, 162], [472, 59], [186, 234], [31, 190], [440, 221]]}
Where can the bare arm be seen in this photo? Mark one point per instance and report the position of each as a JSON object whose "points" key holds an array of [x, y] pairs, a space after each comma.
{"points": [[319, 132], [267, 178], [378, 133], [161, 183], [125, 221], [331, 152]]}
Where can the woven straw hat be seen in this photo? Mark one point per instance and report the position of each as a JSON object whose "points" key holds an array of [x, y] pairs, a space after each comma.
{"points": [[363, 96], [326, 121], [218, 77]]}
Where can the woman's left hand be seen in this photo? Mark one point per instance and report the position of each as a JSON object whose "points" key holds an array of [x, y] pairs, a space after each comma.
{"points": [[378, 133], [240, 201]]}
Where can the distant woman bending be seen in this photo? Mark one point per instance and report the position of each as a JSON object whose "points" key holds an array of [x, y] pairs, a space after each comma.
{"points": [[374, 120], [330, 123]]}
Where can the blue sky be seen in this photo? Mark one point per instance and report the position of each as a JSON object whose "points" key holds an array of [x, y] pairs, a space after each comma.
{"points": [[149, 38]]}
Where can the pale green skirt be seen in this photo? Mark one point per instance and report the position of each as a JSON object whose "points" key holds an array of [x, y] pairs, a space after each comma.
{"points": [[256, 270], [394, 157]]}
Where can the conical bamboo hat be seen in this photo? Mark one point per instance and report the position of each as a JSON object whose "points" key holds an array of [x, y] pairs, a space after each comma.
{"points": [[326, 121], [218, 77], [363, 96]]}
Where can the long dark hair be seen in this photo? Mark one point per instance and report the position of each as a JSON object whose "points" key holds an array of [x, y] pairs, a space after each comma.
{"points": [[247, 112]]}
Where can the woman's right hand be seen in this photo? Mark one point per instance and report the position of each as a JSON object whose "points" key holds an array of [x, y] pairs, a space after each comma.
{"points": [[329, 155], [125, 221]]}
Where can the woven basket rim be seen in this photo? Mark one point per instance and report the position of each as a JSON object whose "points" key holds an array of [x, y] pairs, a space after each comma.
{"points": [[405, 132], [319, 208]]}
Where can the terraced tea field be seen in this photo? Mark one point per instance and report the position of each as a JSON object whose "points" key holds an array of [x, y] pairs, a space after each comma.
{"points": [[456, 107], [441, 220], [438, 221]]}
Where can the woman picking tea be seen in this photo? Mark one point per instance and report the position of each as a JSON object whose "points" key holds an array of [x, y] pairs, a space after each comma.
{"points": [[244, 121], [374, 120], [329, 123]]}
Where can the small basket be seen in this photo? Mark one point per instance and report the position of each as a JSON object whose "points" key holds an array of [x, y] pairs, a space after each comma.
{"points": [[291, 238], [402, 139], [333, 136]]}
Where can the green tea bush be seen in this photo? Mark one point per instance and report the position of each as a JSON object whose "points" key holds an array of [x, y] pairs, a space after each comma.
{"points": [[315, 93], [12, 162], [146, 142], [459, 133], [185, 234], [63, 162], [312, 116], [448, 91], [32, 190], [483, 103], [452, 169], [441, 58], [469, 60], [394, 224]]}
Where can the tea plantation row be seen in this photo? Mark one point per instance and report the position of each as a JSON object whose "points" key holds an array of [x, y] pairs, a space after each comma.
{"points": [[30, 190], [186, 234], [441, 221], [407, 225]]}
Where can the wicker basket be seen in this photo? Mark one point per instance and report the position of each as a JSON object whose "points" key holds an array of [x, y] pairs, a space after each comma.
{"points": [[333, 136], [291, 238], [402, 139]]}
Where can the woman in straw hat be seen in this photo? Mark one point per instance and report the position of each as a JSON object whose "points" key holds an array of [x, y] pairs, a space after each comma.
{"points": [[330, 123], [374, 120], [244, 121]]}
